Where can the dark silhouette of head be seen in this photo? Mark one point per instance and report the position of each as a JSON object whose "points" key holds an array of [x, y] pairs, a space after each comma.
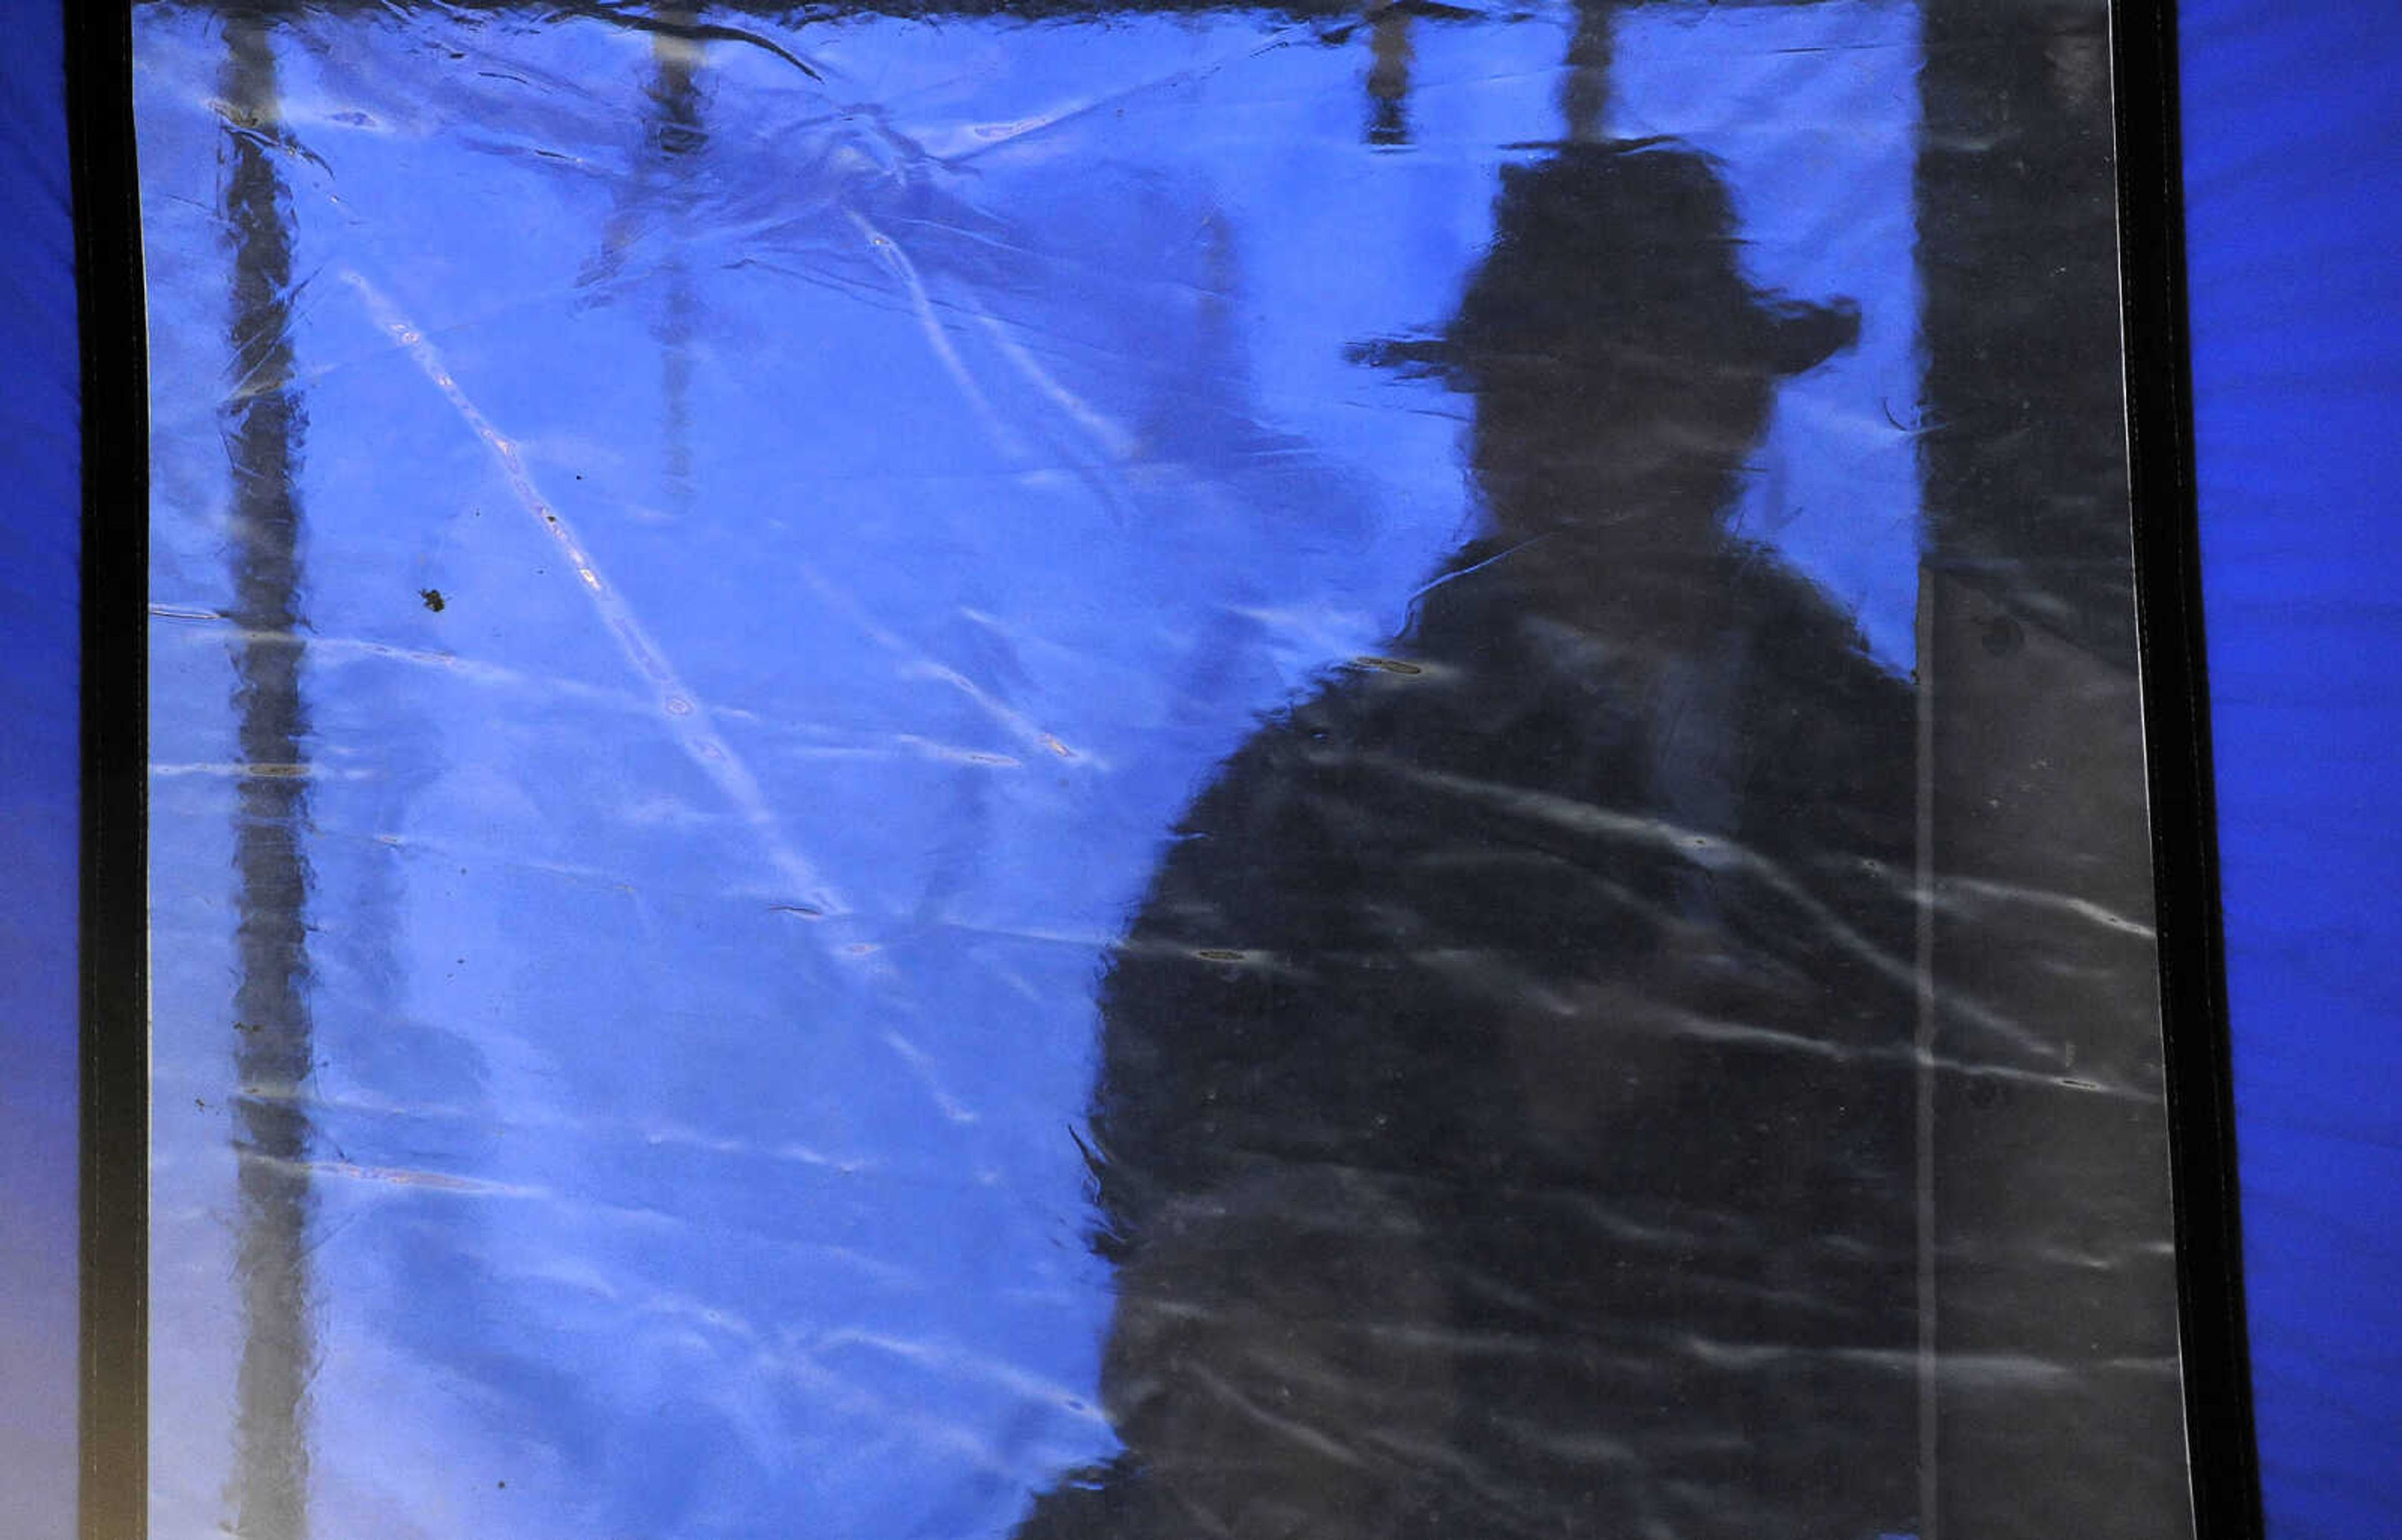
{"points": [[1622, 366]]}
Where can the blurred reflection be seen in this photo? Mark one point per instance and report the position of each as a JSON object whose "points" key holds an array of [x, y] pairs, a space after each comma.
{"points": [[677, 134], [1504, 1117], [1390, 54], [264, 423], [1585, 89]]}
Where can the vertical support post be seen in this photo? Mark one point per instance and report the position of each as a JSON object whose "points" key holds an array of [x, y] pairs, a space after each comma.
{"points": [[274, 1040], [1584, 93], [1391, 52], [2055, 1362]]}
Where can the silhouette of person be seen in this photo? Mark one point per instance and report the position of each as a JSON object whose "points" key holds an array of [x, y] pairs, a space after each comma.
{"points": [[1503, 1126]]}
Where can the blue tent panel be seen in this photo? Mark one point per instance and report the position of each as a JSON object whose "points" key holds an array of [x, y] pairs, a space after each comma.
{"points": [[2293, 144], [40, 507]]}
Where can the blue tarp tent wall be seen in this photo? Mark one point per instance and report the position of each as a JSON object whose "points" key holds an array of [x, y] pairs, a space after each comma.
{"points": [[40, 515], [2292, 142], [2293, 155]]}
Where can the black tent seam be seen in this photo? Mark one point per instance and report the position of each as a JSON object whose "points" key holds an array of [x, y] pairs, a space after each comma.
{"points": [[2213, 1335], [113, 918]]}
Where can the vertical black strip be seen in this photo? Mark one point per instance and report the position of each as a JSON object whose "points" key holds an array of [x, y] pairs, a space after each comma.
{"points": [[114, 920], [2185, 822]]}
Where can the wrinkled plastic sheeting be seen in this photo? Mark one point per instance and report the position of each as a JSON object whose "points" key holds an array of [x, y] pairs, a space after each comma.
{"points": [[943, 775]]}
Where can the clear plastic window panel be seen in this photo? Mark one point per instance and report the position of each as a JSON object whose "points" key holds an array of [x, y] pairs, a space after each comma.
{"points": [[996, 770]]}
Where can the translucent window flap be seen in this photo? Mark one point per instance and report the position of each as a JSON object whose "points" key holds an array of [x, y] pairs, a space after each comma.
{"points": [[1186, 771]]}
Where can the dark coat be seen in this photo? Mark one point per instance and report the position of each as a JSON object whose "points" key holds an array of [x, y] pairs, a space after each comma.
{"points": [[1504, 1125]]}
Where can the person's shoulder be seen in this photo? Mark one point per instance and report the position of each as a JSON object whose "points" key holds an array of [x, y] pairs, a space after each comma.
{"points": [[1798, 627]]}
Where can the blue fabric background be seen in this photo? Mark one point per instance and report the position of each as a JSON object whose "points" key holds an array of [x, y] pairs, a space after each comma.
{"points": [[2293, 146], [40, 508]]}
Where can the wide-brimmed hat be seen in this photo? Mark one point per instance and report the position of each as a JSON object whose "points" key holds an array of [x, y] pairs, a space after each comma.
{"points": [[1610, 253]]}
